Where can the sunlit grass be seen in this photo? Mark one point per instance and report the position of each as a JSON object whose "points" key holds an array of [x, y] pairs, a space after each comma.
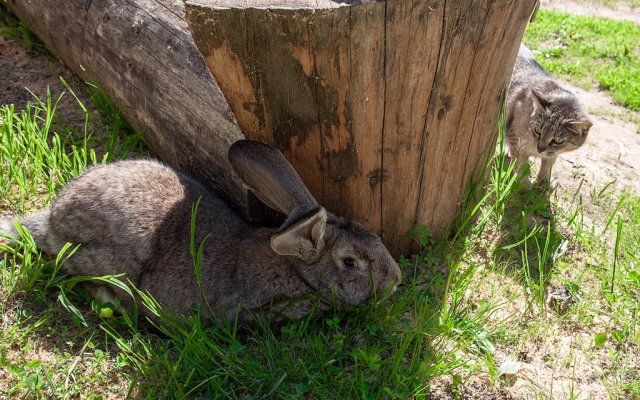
{"points": [[591, 52]]}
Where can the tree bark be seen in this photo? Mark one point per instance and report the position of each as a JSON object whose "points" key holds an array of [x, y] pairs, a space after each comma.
{"points": [[140, 52], [387, 109]]}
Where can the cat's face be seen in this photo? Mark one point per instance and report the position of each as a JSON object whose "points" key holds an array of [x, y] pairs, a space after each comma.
{"points": [[558, 123]]}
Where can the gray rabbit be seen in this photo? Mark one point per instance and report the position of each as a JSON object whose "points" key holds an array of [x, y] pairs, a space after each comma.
{"points": [[134, 217]]}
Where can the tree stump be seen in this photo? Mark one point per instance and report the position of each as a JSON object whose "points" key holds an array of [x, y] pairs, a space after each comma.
{"points": [[387, 109]]}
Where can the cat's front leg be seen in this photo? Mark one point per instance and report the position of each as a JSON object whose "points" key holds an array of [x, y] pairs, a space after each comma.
{"points": [[544, 176]]}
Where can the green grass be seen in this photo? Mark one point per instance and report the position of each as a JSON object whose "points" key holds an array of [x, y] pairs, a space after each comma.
{"points": [[39, 152], [589, 51]]}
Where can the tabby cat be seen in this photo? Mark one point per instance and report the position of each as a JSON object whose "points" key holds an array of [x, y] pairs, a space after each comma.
{"points": [[543, 119]]}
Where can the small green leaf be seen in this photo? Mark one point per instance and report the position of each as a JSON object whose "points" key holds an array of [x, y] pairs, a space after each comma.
{"points": [[619, 336], [33, 363], [483, 341], [35, 383], [99, 354], [600, 339], [106, 310], [303, 388]]}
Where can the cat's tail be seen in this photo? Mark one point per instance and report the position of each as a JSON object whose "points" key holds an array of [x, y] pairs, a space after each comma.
{"points": [[37, 224]]}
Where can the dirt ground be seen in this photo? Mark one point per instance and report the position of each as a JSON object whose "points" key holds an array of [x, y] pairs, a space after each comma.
{"points": [[612, 151], [27, 74]]}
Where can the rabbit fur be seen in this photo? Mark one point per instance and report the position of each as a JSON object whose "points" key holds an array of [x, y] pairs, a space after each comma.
{"points": [[134, 217]]}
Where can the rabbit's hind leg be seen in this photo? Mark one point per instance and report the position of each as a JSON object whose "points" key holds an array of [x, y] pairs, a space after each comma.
{"points": [[111, 296], [100, 292], [104, 295]]}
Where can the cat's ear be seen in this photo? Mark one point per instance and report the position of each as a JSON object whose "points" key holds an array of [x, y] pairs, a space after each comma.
{"points": [[581, 127], [541, 99]]}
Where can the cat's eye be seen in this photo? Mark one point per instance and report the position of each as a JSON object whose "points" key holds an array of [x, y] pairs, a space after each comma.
{"points": [[558, 141], [536, 132], [350, 263]]}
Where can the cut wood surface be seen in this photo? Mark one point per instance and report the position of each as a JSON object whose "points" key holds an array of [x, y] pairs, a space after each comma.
{"points": [[141, 53], [387, 109]]}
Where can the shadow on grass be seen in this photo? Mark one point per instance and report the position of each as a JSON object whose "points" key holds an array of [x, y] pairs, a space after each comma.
{"points": [[508, 225], [529, 243]]}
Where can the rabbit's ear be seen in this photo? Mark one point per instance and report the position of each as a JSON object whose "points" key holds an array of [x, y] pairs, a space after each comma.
{"points": [[303, 237], [269, 175]]}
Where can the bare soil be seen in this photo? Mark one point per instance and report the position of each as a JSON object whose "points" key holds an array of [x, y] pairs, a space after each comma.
{"points": [[26, 75]]}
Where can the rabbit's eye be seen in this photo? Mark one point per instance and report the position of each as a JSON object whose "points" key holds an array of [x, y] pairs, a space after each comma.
{"points": [[350, 263]]}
